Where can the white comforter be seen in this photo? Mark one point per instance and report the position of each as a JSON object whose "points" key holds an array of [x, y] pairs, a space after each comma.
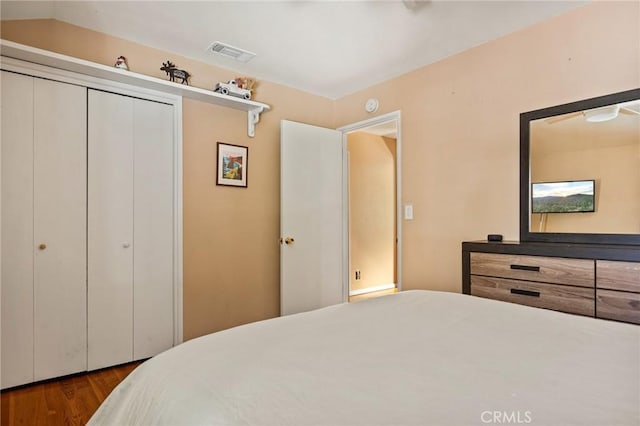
{"points": [[414, 358]]}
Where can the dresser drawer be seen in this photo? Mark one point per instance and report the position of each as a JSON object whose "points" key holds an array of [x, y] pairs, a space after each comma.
{"points": [[618, 305], [575, 300], [577, 272], [613, 275]]}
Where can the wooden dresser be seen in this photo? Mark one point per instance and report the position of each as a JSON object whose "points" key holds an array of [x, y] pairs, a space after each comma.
{"points": [[601, 281]]}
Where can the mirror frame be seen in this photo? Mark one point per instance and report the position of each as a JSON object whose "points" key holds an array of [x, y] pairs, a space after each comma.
{"points": [[525, 183]]}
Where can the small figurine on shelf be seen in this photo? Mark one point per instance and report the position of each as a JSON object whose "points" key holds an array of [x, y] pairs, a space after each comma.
{"points": [[240, 87], [232, 88], [246, 83], [173, 72], [121, 63]]}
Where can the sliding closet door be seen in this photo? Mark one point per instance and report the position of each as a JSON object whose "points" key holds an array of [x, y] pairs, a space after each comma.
{"points": [[59, 226], [110, 229], [17, 229], [153, 228]]}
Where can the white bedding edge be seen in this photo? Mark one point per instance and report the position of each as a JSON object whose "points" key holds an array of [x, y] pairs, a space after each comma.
{"points": [[413, 358]]}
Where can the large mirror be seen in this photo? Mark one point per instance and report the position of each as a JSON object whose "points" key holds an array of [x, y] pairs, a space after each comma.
{"points": [[580, 171]]}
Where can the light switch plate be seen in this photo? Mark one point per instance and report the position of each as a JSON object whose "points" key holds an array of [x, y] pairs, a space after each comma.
{"points": [[408, 212]]}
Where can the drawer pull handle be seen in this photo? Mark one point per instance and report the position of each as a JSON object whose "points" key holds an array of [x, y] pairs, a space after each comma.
{"points": [[526, 268], [525, 292]]}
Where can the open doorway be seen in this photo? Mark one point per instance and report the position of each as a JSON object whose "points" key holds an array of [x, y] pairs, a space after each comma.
{"points": [[372, 151]]}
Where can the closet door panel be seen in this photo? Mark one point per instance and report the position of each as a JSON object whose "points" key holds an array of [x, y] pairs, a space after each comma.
{"points": [[153, 228], [110, 229], [60, 160], [17, 229]]}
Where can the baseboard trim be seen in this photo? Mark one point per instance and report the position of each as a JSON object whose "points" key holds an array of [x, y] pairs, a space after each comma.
{"points": [[371, 289]]}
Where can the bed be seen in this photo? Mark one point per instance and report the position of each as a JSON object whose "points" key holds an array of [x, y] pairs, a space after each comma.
{"points": [[413, 358]]}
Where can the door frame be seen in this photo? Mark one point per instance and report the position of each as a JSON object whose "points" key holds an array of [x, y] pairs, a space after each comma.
{"points": [[354, 127]]}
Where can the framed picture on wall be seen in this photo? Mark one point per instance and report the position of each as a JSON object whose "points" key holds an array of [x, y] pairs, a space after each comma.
{"points": [[232, 165]]}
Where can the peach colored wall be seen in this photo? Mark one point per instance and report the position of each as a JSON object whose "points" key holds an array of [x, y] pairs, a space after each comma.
{"points": [[231, 249], [460, 126], [460, 148], [616, 171], [570, 148], [372, 209]]}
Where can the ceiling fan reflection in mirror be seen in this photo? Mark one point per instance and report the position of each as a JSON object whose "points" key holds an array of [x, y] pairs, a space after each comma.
{"points": [[600, 114]]}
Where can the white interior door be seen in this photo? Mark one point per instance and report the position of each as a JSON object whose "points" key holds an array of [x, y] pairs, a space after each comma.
{"points": [[311, 253], [153, 228], [17, 229], [110, 229], [59, 223]]}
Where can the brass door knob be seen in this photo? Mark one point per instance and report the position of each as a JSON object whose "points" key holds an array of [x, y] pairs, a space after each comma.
{"points": [[288, 240], [42, 246]]}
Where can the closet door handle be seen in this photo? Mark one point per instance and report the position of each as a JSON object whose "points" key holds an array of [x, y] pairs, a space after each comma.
{"points": [[42, 246], [126, 245]]}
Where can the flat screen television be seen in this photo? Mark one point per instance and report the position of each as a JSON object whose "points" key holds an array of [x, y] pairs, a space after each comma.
{"points": [[563, 197]]}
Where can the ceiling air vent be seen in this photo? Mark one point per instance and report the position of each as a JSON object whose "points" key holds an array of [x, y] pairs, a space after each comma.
{"points": [[231, 52]]}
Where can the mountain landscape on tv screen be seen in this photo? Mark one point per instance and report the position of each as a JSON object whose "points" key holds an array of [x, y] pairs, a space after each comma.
{"points": [[570, 204]]}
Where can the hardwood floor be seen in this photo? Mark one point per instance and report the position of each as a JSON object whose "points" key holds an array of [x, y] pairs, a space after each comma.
{"points": [[71, 400]]}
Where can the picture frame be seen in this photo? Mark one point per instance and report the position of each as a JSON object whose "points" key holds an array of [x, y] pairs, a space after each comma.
{"points": [[232, 165]]}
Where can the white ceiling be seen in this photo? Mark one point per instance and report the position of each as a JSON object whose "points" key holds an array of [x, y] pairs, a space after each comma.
{"points": [[572, 133], [388, 129], [329, 48]]}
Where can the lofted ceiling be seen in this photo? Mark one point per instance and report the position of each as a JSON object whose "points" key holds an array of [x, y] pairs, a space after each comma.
{"points": [[328, 48]]}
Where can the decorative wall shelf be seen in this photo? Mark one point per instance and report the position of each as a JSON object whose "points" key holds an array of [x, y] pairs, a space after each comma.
{"points": [[44, 57]]}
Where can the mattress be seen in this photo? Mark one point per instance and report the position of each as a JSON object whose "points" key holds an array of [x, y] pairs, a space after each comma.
{"points": [[412, 358]]}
